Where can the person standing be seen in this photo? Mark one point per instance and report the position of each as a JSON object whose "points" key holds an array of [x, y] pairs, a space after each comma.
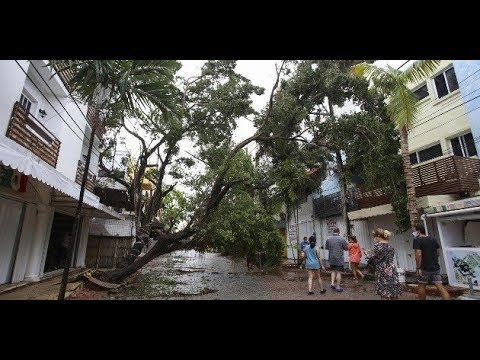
{"points": [[355, 254], [303, 245], [387, 284], [313, 263], [336, 245], [427, 251]]}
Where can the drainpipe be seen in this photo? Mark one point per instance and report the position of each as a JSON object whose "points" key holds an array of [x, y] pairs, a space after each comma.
{"points": [[424, 219], [454, 212]]}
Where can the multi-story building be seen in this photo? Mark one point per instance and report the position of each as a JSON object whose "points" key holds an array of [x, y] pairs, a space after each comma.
{"points": [[443, 154], [44, 137], [443, 145]]}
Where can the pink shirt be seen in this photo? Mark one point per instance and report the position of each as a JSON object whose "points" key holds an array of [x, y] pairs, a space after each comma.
{"points": [[355, 252]]}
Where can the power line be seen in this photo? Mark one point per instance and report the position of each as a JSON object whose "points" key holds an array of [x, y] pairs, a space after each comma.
{"points": [[450, 101], [53, 107], [403, 65], [436, 127], [84, 142], [56, 97], [78, 107]]}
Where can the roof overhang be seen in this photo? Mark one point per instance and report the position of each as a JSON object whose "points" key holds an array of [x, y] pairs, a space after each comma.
{"points": [[370, 212], [17, 157]]}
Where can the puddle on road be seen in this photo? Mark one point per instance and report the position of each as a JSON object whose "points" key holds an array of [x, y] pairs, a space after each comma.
{"points": [[185, 274]]}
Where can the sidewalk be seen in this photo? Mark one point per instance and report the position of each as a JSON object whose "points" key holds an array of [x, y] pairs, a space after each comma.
{"points": [[47, 289]]}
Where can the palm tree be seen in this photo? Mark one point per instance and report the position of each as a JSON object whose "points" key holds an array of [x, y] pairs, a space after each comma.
{"points": [[402, 108], [110, 85]]}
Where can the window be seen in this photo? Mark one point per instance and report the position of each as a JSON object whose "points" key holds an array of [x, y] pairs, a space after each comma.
{"points": [[426, 154], [446, 82], [464, 145], [25, 102], [421, 92]]}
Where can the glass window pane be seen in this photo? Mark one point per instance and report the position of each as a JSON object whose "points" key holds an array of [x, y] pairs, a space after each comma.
{"points": [[421, 93], [430, 153], [441, 86], [452, 79], [457, 150], [472, 150], [413, 158]]}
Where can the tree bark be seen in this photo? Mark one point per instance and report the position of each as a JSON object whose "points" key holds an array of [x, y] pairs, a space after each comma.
{"points": [[343, 191], [165, 244], [343, 183], [407, 169]]}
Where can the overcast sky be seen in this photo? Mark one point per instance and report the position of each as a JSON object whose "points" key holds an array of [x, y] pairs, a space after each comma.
{"points": [[261, 73]]}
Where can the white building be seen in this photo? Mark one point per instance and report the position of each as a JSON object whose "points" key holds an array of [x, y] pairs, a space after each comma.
{"points": [[44, 138], [444, 159]]}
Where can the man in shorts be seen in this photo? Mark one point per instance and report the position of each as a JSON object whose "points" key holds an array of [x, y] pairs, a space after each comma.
{"points": [[427, 251], [336, 245]]}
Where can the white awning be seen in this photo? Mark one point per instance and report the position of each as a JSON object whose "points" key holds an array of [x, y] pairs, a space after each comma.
{"points": [[21, 159]]}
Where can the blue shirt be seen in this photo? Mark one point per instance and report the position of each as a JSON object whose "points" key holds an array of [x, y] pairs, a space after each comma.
{"points": [[303, 244], [312, 258]]}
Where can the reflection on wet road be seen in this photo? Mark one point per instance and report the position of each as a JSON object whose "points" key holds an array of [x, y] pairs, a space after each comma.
{"points": [[195, 276]]}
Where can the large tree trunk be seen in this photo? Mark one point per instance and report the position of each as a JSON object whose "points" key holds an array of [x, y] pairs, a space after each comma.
{"points": [[407, 169], [343, 182], [343, 191], [165, 244]]}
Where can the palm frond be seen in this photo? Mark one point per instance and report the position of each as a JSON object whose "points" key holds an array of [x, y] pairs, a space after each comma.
{"points": [[382, 79], [420, 70], [402, 107]]}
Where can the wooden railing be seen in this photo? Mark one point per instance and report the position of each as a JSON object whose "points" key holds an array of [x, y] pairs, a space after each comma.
{"points": [[92, 116], [450, 175], [367, 199], [91, 178], [330, 205], [64, 73], [29, 132]]}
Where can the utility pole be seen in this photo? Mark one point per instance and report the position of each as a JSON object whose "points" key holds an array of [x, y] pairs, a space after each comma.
{"points": [[100, 97]]}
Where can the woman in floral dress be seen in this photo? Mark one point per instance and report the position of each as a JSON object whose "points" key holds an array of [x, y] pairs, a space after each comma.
{"points": [[386, 276]]}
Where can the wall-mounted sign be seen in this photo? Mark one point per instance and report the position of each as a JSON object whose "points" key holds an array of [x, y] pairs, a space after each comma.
{"points": [[463, 264], [331, 224], [13, 179]]}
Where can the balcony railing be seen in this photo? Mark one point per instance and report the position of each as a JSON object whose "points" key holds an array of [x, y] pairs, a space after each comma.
{"points": [[92, 116], [91, 178], [64, 73], [330, 205], [448, 175], [367, 199], [26, 130]]}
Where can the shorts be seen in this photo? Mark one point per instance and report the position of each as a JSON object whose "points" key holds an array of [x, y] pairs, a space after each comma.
{"points": [[430, 277], [339, 268]]}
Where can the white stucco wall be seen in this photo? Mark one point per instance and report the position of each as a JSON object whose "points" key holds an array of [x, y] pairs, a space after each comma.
{"points": [[72, 138], [11, 79], [305, 225]]}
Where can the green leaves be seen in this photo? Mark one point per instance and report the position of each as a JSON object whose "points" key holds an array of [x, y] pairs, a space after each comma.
{"points": [[134, 83]]}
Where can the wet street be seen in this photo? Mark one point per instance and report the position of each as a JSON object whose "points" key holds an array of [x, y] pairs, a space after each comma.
{"points": [[195, 276]]}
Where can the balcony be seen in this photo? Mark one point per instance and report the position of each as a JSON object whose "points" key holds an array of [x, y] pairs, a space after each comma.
{"points": [[368, 199], [91, 178], [330, 205], [64, 73], [26, 130], [448, 175]]}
